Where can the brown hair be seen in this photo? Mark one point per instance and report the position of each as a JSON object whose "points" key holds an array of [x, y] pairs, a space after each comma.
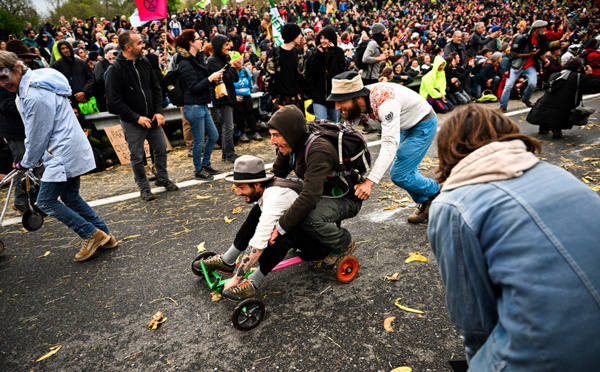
{"points": [[470, 128], [185, 39], [207, 49]]}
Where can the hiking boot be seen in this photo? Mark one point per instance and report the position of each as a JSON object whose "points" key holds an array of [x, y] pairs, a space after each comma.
{"points": [[333, 258], [231, 158], [503, 109], [89, 245], [246, 289], [214, 263], [168, 184], [203, 175], [112, 243], [147, 195], [150, 172], [244, 138], [528, 103], [210, 169], [257, 137], [544, 129], [21, 208], [557, 134], [422, 213]]}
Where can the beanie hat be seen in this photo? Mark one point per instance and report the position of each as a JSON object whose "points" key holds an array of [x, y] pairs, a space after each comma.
{"points": [[495, 28], [289, 32], [377, 28], [93, 55]]}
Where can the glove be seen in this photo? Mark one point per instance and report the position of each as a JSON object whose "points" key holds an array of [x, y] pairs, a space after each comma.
{"points": [[19, 167]]}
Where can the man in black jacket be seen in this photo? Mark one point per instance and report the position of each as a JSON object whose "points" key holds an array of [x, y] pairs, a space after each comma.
{"points": [[77, 72], [477, 42], [134, 93]]}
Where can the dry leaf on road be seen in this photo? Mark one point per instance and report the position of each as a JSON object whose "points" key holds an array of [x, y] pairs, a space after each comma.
{"points": [[387, 324], [394, 277], [397, 303], [156, 320], [228, 220], [215, 296], [53, 350], [415, 256], [201, 247]]}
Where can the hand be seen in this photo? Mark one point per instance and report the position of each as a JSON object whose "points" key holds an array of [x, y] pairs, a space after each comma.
{"points": [[160, 119], [145, 122], [382, 57], [472, 63], [239, 98], [546, 63], [274, 235], [588, 70], [80, 97], [19, 167], [363, 190], [232, 282], [238, 63], [216, 76], [454, 80]]}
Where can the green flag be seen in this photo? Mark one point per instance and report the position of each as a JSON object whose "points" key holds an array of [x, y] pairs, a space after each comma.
{"points": [[277, 24], [202, 3]]}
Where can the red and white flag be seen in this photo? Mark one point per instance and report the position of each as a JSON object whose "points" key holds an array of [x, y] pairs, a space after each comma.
{"points": [[150, 10]]}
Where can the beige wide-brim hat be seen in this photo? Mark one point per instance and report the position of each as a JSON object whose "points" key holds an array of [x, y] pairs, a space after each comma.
{"points": [[249, 169], [347, 85]]}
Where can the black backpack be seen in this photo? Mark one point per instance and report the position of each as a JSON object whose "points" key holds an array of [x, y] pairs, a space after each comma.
{"points": [[172, 88], [350, 144], [359, 53]]}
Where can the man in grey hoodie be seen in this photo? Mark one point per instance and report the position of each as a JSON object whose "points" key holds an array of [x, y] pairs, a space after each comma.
{"points": [[373, 58]]}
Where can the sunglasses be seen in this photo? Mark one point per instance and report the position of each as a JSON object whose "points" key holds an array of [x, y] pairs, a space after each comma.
{"points": [[5, 75]]}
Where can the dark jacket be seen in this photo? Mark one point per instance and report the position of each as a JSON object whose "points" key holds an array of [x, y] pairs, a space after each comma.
{"points": [[11, 124], [488, 71], [476, 43], [77, 72], [323, 66], [522, 44], [99, 90], [552, 109], [458, 48], [314, 170], [193, 77], [132, 89], [216, 62]]}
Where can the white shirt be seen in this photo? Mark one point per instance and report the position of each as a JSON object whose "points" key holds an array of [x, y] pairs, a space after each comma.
{"points": [[394, 107], [273, 204]]}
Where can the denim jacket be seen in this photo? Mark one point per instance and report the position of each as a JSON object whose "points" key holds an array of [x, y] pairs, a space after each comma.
{"points": [[54, 135], [520, 262]]}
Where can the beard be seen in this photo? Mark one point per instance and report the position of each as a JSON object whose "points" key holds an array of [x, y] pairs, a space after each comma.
{"points": [[253, 197], [353, 112]]}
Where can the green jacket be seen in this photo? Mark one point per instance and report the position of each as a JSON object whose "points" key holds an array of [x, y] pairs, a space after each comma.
{"points": [[433, 84]]}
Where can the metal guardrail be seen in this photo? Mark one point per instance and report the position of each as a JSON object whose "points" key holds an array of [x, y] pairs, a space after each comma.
{"points": [[172, 114]]}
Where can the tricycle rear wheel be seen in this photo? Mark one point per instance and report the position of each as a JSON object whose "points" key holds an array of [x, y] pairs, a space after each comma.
{"points": [[199, 257], [346, 269]]}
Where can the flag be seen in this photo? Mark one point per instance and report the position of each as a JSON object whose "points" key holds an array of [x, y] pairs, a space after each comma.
{"points": [[239, 1], [277, 24], [224, 2], [202, 4], [150, 10], [135, 19]]}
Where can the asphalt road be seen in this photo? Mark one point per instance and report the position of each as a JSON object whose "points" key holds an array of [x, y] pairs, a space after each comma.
{"points": [[97, 310]]}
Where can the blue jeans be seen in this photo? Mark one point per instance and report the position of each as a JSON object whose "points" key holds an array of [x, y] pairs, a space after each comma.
{"points": [[75, 212], [414, 144], [530, 74], [201, 122], [322, 112], [135, 134]]}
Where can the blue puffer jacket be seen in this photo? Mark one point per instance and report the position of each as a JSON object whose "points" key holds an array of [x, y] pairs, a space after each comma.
{"points": [[243, 87], [521, 273]]}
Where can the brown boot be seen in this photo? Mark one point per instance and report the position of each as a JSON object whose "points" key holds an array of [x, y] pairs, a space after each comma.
{"points": [[112, 243], [89, 245], [422, 214], [332, 258]]}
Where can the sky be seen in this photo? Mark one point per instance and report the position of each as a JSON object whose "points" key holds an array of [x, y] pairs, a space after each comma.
{"points": [[41, 6]]}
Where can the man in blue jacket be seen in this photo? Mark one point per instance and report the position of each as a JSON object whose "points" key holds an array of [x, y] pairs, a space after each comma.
{"points": [[54, 138]]}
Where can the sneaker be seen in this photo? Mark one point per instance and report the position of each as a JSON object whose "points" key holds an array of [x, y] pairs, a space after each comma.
{"points": [[368, 129], [168, 184], [231, 158], [332, 258], [147, 195], [217, 146], [203, 175], [21, 208], [244, 138], [210, 169], [112, 243], [215, 263], [246, 289], [89, 245], [528, 103], [422, 213], [257, 137]]}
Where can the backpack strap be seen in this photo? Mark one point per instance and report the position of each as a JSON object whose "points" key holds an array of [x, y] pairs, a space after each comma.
{"points": [[295, 186]]}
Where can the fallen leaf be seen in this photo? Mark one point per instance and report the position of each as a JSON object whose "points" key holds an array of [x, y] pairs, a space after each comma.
{"points": [[403, 200], [387, 324], [385, 197], [237, 210], [588, 179], [53, 350], [131, 237], [201, 247], [202, 197], [415, 256], [156, 320], [233, 188], [391, 207], [215, 296], [397, 303], [228, 220], [44, 255], [394, 277], [402, 369]]}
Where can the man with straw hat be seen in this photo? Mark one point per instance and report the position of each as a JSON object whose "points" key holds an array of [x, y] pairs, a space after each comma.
{"points": [[408, 125], [273, 197]]}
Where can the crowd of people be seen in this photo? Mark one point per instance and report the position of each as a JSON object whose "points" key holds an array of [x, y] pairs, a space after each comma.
{"points": [[391, 67]]}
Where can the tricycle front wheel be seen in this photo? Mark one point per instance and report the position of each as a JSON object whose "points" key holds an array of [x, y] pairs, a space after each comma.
{"points": [[248, 314]]}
